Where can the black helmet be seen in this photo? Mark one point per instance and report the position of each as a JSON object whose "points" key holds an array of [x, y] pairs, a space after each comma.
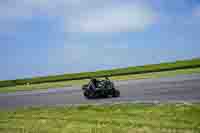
{"points": [[93, 79]]}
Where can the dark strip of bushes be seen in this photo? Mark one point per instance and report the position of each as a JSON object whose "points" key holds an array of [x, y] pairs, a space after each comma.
{"points": [[194, 63]]}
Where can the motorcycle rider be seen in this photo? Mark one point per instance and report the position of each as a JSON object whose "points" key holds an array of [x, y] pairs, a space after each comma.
{"points": [[93, 84]]}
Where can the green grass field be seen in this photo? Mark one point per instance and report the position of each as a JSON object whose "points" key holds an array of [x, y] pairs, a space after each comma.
{"points": [[193, 63], [81, 82], [122, 118]]}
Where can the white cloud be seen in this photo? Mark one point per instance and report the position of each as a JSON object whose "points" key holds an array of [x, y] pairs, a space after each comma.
{"points": [[114, 19], [90, 16]]}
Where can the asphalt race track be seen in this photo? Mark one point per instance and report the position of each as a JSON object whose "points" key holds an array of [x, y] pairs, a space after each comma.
{"points": [[177, 89]]}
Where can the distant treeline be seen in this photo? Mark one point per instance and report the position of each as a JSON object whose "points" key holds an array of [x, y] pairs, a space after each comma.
{"points": [[183, 64]]}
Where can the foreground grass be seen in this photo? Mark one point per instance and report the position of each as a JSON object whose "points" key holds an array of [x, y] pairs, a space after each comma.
{"points": [[81, 82], [122, 118]]}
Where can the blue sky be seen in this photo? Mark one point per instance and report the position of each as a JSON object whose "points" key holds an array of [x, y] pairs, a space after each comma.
{"points": [[45, 37]]}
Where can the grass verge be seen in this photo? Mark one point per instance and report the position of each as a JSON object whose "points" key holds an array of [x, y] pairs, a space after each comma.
{"points": [[158, 74], [81, 82], [122, 118]]}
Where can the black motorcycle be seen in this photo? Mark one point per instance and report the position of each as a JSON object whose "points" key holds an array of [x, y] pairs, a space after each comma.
{"points": [[100, 89]]}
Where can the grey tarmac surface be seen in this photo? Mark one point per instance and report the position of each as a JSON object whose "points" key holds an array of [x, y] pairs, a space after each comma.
{"points": [[177, 89]]}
